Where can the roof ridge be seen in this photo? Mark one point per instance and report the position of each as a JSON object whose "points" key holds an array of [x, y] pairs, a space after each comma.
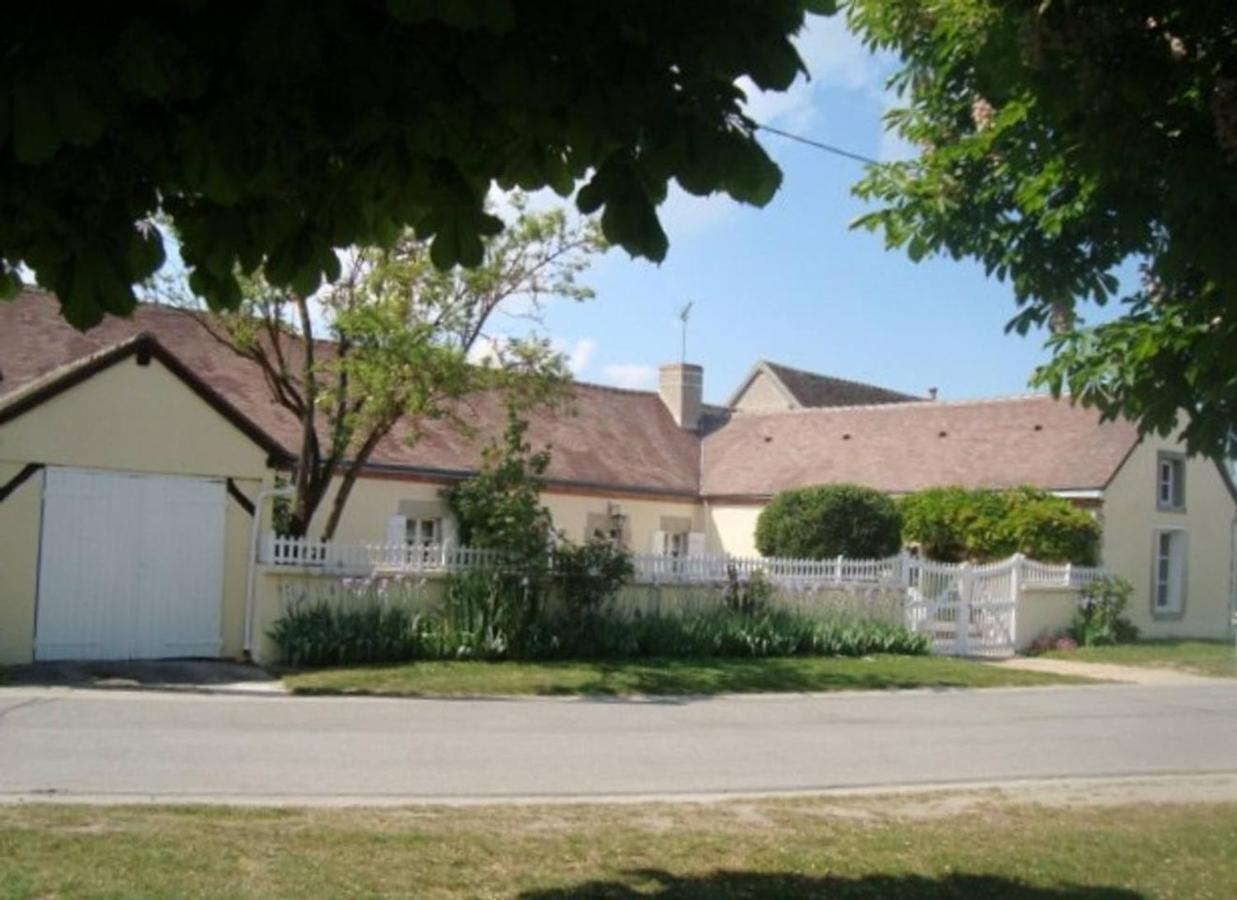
{"points": [[838, 378], [598, 386], [902, 404]]}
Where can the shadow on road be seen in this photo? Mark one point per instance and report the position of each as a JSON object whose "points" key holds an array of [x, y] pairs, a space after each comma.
{"points": [[660, 884]]}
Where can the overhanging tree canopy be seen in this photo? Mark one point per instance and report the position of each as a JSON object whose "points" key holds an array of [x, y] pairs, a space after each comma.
{"points": [[1060, 139], [274, 131]]}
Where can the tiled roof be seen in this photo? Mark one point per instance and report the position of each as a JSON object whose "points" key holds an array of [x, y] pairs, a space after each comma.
{"points": [[813, 390], [627, 439], [615, 438], [900, 447]]}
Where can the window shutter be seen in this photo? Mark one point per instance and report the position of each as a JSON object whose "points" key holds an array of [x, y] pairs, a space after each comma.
{"points": [[450, 531], [657, 544], [695, 543], [397, 530]]}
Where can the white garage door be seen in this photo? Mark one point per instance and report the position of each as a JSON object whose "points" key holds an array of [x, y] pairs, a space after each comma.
{"points": [[130, 566]]}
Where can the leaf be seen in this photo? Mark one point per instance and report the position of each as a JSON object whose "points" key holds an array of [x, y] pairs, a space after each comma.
{"points": [[36, 136]]}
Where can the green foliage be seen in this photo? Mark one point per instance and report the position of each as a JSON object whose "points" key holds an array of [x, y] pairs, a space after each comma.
{"points": [[749, 596], [953, 524], [590, 575], [330, 634], [829, 520], [494, 615], [281, 509], [1100, 618], [398, 334], [272, 134], [1058, 141], [500, 507], [486, 614], [723, 631]]}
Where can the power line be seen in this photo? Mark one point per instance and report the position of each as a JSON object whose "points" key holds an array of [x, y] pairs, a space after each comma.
{"points": [[828, 148]]}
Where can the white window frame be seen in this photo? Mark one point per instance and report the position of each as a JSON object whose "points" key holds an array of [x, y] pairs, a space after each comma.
{"points": [[676, 543], [423, 538], [1169, 574], [1170, 482]]}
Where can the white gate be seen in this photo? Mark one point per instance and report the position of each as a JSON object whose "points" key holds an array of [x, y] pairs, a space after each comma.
{"points": [[967, 610], [130, 566]]}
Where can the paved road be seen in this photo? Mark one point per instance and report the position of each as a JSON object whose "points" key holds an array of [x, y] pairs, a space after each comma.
{"points": [[131, 746]]}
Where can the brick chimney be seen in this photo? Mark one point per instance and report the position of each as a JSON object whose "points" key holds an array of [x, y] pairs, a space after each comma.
{"points": [[682, 390]]}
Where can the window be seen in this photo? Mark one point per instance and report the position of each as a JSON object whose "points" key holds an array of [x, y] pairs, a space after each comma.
{"points": [[1170, 483], [1169, 573], [676, 544], [423, 532], [674, 531]]}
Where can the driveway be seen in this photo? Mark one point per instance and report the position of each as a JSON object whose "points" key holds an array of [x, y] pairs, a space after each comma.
{"points": [[202, 675], [94, 745]]}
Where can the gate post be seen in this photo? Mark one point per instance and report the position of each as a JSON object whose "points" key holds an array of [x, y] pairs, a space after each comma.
{"points": [[962, 627], [1015, 597]]}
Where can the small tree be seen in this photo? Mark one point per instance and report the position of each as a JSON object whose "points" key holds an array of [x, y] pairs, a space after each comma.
{"points": [[500, 507], [399, 334], [829, 520]]}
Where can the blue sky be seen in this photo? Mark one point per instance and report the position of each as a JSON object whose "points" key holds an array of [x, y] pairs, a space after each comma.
{"points": [[791, 282]]}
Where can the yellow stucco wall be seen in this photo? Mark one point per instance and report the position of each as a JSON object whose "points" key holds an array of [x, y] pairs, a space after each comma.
{"points": [[125, 418], [1042, 612], [732, 529], [1130, 516], [762, 394], [19, 554], [374, 500]]}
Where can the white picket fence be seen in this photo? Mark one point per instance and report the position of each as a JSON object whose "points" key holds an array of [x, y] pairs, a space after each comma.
{"points": [[968, 610], [373, 558]]}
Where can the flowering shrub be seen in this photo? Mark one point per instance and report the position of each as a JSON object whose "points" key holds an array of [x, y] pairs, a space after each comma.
{"points": [[1100, 617]]}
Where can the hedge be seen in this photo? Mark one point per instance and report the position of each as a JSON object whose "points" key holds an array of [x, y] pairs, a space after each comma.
{"points": [[830, 520]]}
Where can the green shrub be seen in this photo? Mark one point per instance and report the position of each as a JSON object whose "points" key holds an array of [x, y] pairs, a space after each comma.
{"points": [[590, 575], [830, 520], [750, 596], [324, 633], [1100, 617], [722, 631], [953, 524], [485, 615]]}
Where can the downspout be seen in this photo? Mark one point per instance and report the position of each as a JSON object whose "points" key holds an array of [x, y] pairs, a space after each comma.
{"points": [[255, 537]]}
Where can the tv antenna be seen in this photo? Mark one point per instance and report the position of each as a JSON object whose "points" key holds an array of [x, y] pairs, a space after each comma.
{"points": [[684, 313]]}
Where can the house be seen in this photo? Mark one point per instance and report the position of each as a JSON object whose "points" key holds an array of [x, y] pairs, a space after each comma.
{"points": [[133, 460]]}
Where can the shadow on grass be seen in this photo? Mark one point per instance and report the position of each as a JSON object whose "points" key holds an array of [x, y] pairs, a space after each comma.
{"points": [[657, 883]]}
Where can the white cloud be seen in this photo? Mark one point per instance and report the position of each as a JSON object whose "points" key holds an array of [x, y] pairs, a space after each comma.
{"points": [[684, 214], [630, 375], [579, 353], [488, 348], [834, 58]]}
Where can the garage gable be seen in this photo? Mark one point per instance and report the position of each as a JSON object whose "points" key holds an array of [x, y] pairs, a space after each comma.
{"points": [[133, 407]]}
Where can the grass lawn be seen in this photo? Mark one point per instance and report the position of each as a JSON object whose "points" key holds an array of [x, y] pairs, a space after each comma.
{"points": [[662, 676], [912, 848], [1216, 658]]}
